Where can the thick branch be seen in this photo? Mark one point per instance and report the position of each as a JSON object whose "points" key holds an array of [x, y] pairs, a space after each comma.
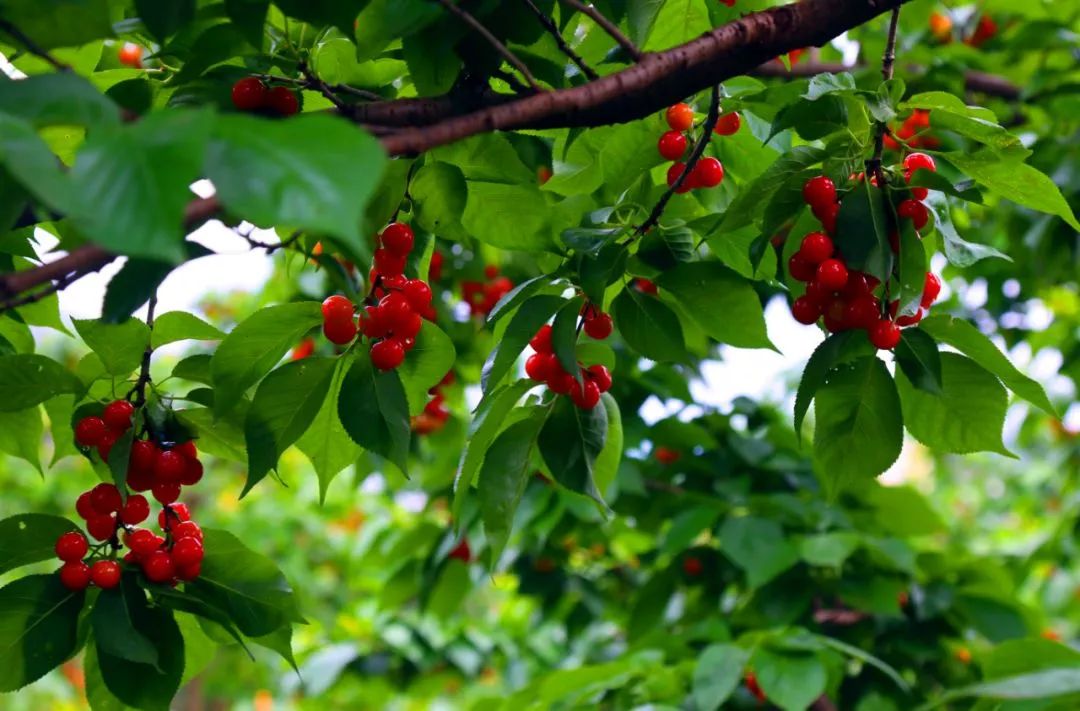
{"points": [[607, 26], [553, 30], [491, 39]]}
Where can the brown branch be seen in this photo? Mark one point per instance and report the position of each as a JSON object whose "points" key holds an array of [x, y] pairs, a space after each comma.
{"points": [[491, 39], [873, 166], [271, 247], [314, 82], [607, 26], [553, 30], [31, 46], [978, 82], [139, 391]]}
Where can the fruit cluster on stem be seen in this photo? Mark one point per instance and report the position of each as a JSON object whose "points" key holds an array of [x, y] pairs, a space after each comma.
{"points": [[482, 296], [435, 413], [250, 94], [912, 133], [543, 366], [707, 172]]}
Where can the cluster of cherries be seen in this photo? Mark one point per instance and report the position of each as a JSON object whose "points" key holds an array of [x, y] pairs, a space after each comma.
{"points": [[397, 316], [251, 94], [482, 296], [435, 413], [941, 27], [543, 366], [595, 322], [163, 470], [707, 172], [845, 297], [914, 124]]}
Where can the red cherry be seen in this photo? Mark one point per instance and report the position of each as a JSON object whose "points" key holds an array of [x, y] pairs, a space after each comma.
{"points": [[187, 529], [282, 100], [885, 334], [835, 313], [800, 269], [388, 263], [819, 191], [587, 395], [340, 332], [166, 492], [918, 193], [862, 312], [249, 94], [101, 527], [832, 274], [169, 467], [560, 382], [303, 349], [753, 687], [172, 515], [646, 286], [692, 566], [858, 284], [193, 472], [491, 271], [159, 567], [143, 542], [827, 215], [816, 248], [187, 449], [106, 499], [189, 572], [398, 238], [337, 308], [130, 55], [541, 342], [601, 376], [708, 173], [117, 415], [89, 431], [818, 293], [105, 574], [461, 552], [144, 454], [805, 310], [105, 444], [915, 211], [680, 117], [599, 327], [140, 480], [387, 354], [393, 283], [667, 455], [672, 145], [728, 124], [538, 366], [71, 546], [394, 308], [135, 511], [187, 552], [931, 290], [673, 174], [75, 575], [435, 268], [418, 294], [911, 319], [919, 161], [84, 507]]}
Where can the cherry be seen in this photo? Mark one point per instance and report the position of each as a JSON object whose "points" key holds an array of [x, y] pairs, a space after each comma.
{"points": [[827, 215], [692, 566], [435, 268], [159, 567], [105, 574], [282, 100], [105, 444], [862, 312], [387, 354], [409, 326], [187, 449], [858, 284], [800, 269], [189, 572], [418, 294], [587, 395], [395, 308], [193, 472], [931, 290], [84, 507], [818, 293], [106, 499], [398, 238], [885, 334], [835, 313], [340, 332], [601, 376], [388, 263], [166, 492], [372, 322], [187, 552], [491, 271], [672, 145], [75, 575], [805, 310], [753, 687], [337, 308], [538, 366], [303, 349], [135, 511], [708, 172], [919, 161], [673, 174], [101, 527], [727, 124], [187, 529], [71, 546], [541, 342], [461, 552], [130, 55], [816, 248], [915, 211], [680, 117], [176, 513], [89, 431], [169, 467], [832, 274], [919, 193], [646, 286], [144, 454], [599, 327], [543, 174], [667, 455], [819, 191], [117, 415], [560, 382], [249, 94], [910, 320], [143, 542], [140, 480]]}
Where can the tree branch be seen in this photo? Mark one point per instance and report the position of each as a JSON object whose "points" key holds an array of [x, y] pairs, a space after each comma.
{"points": [[873, 166], [492, 40], [553, 30], [31, 46], [979, 82], [139, 391], [607, 26]]}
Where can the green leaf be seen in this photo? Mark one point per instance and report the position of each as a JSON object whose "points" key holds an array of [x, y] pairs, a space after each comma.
{"points": [[63, 23], [859, 431], [752, 199], [648, 325], [119, 456], [830, 353], [570, 442], [130, 185], [374, 409], [967, 416], [28, 379], [1044, 684], [30, 538], [976, 123], [246, 585], [666, 247], [508, 216], [39, 621], [717, 674], [791, 681], [599, 272], [255, 346], [165, 18], [902, 511], [339, 13], [757, 546], [21, 435], [641, 17], [811, 119], [287, 400], [913, 264], [607, 463], [425, 365], [723, 303], [249, 16], [564, 335], [506, 470], [861, 233], [313, 171], [964, 337], [527, 320], [279, 641], [439, 194], [222, 438], [958, 251], [828, 549], [918, 357], [132, 287], [29, 160], [686, 526], [382, 21], [824, 84], [120, 346], [114, 622], [866, 658], [326, 443], [181, 326], [145, 686]]}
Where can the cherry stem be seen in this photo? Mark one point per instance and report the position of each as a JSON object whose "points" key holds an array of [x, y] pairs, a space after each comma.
{"points": [[139, 391], [553, 30], [498, 46]]}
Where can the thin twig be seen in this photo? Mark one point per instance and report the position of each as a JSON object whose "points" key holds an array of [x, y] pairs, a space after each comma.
{"points": [[323, 88], [608, 26], [31, 46], [139, 391], [515, 84], [314, 83], [271, 247], [553, 30], [695, 155], [492, 40], [873, 166]]}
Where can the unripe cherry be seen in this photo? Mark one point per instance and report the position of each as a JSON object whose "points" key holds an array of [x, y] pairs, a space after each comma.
{"points": [[75, 575], [398, 238], [105, 574], [71, 546], [680, 117], [89, 431], [672, 145], [387, 354]]}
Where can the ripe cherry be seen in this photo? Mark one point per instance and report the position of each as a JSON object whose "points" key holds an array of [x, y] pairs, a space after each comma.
{"points": [[193, 472], [587, 395], [931, 290], [187, 529], [249, 94], [169, 467], [395, 308], [303, 349], [692, 566], [672, 145], [187, 552], [835, 313], [680, 117], [800, 269], [832, 274], [341, 332], [919, 161], [753, 687], [71, 546], [387, 354], [393, 283], [172, 515], [667, 455], [601, 376], [858, 284], [189, 572], [915, 211], [418, 294], [599, 327], [159, 567], [910, 319], [337, 308], [105, 444], [143, 542], [398, 238], [541, 342], [862, 312], [538, 366], [819, 191], [708, 173], [805, 310], [101, 527], [105, 574], [187, 449], [282, 100], [89, 431], [166, 492], [919, 193], [673, 174], [816, 247], [130, 55], [106, 499], [727, 124], [885, 334], [543, 174], [560, 382], [117, 415], [140, 480], [646, 286], [461, 552], [388, 263], [84, 507], [75, 575], [818, 293], [827, 215], [436, 266], [135, 511], [144, 454]]}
